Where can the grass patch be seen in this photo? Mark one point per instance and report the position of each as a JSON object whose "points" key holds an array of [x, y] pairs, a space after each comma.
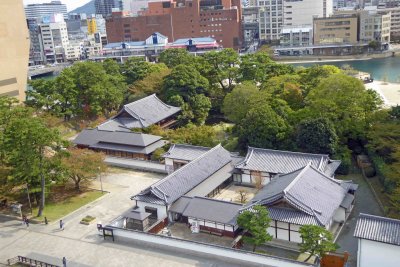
{"points": [[54, 211]]}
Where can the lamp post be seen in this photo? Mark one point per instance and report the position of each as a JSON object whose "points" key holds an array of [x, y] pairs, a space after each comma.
{"points": [[101, 182]]}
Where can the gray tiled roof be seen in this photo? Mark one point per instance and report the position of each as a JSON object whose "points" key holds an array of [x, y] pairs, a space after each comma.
{"points": [[291, 216], [140, 114], [185, 152], [277, 161], [178, 183], [308, 190], [120, 141], [378, 228], [212, 210], [347, 201], [136, 214], [180, 205]]}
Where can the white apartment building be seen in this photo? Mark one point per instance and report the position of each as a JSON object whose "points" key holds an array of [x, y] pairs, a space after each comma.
{"points": [[277, 14], [54, 38], [301, 12], [46, 9], [270, 19], [394, 22], [297, 36]]}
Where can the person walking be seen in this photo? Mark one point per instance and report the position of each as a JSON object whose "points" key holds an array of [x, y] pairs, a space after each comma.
{"points": [[45, 220], [61, 225], [27, 222], [64, 262], [23, 219]]}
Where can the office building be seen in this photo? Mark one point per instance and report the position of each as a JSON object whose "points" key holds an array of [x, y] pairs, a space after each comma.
{"points": [[296, 36], [298, 13], [271, 19], [394, 21], [46, 9], [14, 39], [337, 29], [375, 26], [218, 19]]}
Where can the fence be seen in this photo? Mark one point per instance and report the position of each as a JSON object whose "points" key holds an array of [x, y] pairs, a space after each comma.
{"points": [[31, 262], [203, 249]]}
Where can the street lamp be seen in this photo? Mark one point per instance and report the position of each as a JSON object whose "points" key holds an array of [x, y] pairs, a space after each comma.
{"points": [[101, 182]]}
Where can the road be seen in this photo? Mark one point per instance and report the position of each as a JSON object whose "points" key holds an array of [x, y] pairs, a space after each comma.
{"points": [[365, 203], [81, 244]]}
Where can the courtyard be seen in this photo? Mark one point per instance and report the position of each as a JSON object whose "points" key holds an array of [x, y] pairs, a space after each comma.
{"points": [[231, 193]]}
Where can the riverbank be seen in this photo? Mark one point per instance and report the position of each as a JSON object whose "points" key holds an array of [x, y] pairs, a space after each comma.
{"points": [[324, 59], [389, 92]]}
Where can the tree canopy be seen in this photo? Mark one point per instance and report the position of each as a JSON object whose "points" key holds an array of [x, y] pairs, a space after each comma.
{"points": [[317, 241], [255, 224]]}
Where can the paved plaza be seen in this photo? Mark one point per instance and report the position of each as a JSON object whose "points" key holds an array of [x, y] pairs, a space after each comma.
{"points": [[81, 244]]}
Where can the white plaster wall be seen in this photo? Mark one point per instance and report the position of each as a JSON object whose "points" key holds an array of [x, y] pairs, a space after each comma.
{"points": [[161, 210], [295, 236], [240, 257], [211, 182], [377, 254]]}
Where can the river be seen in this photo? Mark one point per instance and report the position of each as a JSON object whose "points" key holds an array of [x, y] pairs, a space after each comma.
{"points": [[380, 69]]}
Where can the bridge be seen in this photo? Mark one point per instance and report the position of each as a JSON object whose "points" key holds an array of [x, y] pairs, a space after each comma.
{"points": [[47, 70]]}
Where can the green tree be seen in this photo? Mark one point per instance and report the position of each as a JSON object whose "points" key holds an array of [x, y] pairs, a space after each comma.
{"points": [[255, 223], [317, 136], [136, 69], [223, 68], [345, 102], [310, 77], [152, 83], [175, 56], [259, 68], [31, 146], [66, 95], [42, 94], [237, 103], [200, 106], [317, 241], [81, 165], [263, 127]]}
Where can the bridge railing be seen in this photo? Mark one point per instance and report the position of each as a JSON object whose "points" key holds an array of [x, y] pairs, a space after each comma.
{"points": [[31, 262]]}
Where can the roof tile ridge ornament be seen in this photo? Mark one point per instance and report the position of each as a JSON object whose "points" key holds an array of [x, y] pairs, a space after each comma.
{"points": [[285, 191], [322, 160], [246, 160]]}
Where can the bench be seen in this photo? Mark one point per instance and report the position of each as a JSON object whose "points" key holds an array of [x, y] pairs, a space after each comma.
{"points": [[216, 233]]}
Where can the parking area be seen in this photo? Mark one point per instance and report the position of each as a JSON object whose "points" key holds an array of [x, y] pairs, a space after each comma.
{"points": [[231, 193]]}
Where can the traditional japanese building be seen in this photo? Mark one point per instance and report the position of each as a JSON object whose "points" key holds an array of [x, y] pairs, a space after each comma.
{"points": [[116, 136], [303, 197]]}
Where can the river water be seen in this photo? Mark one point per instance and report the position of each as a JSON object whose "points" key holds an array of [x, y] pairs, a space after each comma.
{"points": [[380, 68]]}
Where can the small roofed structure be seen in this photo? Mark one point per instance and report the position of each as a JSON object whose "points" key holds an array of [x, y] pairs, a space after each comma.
{"points": [[199, 177], [181, 154], [378, 241], [304, 196], [212, 215], [266, 163], [141, 114], [120, 144], [133, 219]]}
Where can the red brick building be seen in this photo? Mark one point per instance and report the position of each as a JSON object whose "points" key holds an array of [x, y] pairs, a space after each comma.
{"points": [[219, 19]]}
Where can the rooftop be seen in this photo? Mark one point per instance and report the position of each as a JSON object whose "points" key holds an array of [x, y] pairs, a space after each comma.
{"points": [[178, 183], [213, 210], [380, 229], [185, 152], [307, 190], [140, 114], [277, 161]]}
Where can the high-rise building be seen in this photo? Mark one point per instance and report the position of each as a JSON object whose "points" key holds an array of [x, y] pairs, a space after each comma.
{"points": [[14, 41], [394, 21], [271, 19], [218, 19], [105, 7], [54, 38], [298, 13], [46, 9]]}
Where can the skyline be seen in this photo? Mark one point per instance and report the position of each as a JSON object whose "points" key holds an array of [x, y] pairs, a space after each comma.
{"points": [[71, 4]]}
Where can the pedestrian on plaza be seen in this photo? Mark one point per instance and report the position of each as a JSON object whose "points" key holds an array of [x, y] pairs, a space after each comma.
{"points": [[23, 219], [64, 261], [45, 220], [61, 225], [27, 222]]}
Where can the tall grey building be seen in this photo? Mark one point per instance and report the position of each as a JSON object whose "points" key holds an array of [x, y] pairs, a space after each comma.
{"points": [[33, 11], [105, 7]]}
